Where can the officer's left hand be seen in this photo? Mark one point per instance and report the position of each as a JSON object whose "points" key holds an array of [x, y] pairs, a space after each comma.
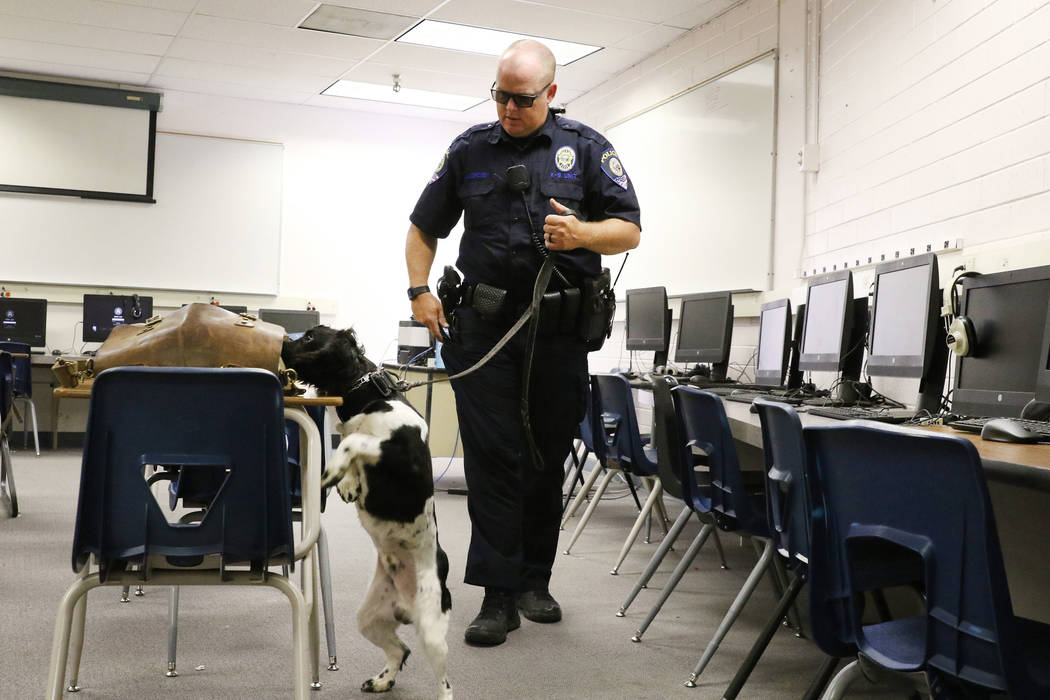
{"points": [[562, 231]]}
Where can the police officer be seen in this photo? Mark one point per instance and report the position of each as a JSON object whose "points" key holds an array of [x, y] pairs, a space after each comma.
{"points": [[514, 506]]}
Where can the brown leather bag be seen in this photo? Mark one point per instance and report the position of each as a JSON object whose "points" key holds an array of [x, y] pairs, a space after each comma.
{"points": [[197, 335]]}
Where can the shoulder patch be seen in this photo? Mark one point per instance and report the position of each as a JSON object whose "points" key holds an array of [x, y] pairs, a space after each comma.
{"points": [[565, 158], [441, 168], [612, 167]]}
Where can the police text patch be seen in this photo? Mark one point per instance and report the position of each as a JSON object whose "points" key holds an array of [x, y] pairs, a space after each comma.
{"points": [[611, 166]]}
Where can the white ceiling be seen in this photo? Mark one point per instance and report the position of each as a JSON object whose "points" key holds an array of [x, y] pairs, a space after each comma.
{"points": [[253, 48]]}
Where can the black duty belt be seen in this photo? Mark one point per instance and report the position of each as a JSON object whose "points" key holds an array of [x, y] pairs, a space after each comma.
{"points": [[558, 314]]}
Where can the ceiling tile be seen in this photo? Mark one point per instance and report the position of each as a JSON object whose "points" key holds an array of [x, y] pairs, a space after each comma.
{"points": [[652, 12], [178, 5], [357, 22], [382, 73], [73, 73], [98, 14], [465, 118], [270, 36], [651, 40], [238, 55], [414, 56], [250, 92], [242, 75], [286, 13], [76, 56], [704, 11], [609, 60], [415, 8], [552, 22], [48, 32]]}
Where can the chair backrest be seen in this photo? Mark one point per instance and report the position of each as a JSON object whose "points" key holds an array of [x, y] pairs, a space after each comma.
{"points": [[231, 420], [672, 454], [787, 497], [588, 427], [623, 437], [706, 427], [924, 493], [6, 389], [23, 367]]}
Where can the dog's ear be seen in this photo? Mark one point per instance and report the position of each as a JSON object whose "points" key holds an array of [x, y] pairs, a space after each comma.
{"points": [[350, 337]]}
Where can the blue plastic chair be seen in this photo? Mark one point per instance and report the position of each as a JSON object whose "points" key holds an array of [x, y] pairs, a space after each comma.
{"points": [[705, 427], [673, 455], [231, 420], [23, 387], [787, 512], [626, 451], [8, 494], [884, 487], [585, 436]]}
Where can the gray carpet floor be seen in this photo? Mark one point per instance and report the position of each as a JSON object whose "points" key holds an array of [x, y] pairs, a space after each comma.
{"points": [[236, 642]]}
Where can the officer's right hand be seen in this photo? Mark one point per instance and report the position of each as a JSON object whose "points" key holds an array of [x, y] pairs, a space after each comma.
{"points": [[426, 308]]}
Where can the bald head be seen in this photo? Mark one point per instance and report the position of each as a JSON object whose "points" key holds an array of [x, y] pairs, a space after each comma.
{"points": [[528, 57], [525, 68]]}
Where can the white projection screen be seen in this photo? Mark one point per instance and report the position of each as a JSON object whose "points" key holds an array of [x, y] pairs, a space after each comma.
{"points": [[76, 140], [702, 163]]}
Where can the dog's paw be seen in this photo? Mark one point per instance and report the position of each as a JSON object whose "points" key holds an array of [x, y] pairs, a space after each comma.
{"points": [[349, 489], [378, 684]]}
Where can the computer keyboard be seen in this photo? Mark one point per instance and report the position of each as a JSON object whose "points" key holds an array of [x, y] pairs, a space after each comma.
{"points": [[975, 424], [744, 396], [882, 415]]}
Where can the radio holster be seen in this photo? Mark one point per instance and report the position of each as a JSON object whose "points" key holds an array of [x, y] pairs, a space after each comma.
{"points": [[597, 309]]}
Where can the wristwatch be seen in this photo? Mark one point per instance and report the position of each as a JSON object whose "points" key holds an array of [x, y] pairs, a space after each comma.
{"points": [[414, 292]]}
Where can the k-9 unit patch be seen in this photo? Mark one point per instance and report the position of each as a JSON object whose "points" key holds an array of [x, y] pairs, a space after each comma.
{"points": [[440, 169], [611, 166], [565, 158]]}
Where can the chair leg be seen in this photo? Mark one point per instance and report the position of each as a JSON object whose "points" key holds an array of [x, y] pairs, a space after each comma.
{"points": [[734, 611], [658, 556], [36, 433], [823, 677], [7, 478], [124, 593], [783, 605], [300, 633], [326, 597], [676, 576], [576, 474], [632, 489], [173, 631], [721, 552], [310, 571], [76, 643], [609, 474], [842, 680], [654, 495], [60, 641], [582, 495]]}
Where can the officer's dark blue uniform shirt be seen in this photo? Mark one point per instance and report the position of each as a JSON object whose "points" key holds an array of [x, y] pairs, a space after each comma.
{"points": [[566, 160]]}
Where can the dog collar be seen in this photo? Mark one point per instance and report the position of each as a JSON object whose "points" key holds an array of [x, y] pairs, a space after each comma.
{"points": [[380, 379]]}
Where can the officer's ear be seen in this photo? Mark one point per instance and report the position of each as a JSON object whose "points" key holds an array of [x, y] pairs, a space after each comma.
{"points": [[551, 90]]}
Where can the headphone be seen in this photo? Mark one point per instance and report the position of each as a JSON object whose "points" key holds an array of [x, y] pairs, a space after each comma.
{"points": [[962, 337]]}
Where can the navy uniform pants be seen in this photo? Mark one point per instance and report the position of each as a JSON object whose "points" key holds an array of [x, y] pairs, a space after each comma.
{"points": [[515, 508]]}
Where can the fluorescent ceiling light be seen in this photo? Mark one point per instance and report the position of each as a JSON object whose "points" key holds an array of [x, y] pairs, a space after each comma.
{"points": [[463, 37], [404, 96]]}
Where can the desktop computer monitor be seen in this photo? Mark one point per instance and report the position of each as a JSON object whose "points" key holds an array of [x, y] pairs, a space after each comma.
{"points": [[23, 321], [648, 320], [294, 321], [774, 342], [1008, 311], [235, 308], [705, 330], [1042, 376], [829, 320], [104, 311], [904, 317]]}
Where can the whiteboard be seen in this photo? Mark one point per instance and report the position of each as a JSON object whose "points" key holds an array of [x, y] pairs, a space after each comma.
{"points": [[216, 225], [702, 164]]}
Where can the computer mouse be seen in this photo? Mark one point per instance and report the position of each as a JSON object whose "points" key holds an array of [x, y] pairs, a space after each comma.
{"points": [[1007, 430]]}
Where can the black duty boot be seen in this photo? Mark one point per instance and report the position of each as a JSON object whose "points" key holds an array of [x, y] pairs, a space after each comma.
{"points": [[497, 617], [539, 606]]}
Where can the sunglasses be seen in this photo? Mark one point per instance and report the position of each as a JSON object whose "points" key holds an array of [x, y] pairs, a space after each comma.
{"points": [[522, 101]]}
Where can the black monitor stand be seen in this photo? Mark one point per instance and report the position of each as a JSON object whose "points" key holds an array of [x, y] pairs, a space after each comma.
{"points": [[794, 374], [852, 363], [931, 385], [660, 356]]}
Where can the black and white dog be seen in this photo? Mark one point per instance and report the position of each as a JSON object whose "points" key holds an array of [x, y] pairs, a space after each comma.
{"points": [[383, 465]]}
